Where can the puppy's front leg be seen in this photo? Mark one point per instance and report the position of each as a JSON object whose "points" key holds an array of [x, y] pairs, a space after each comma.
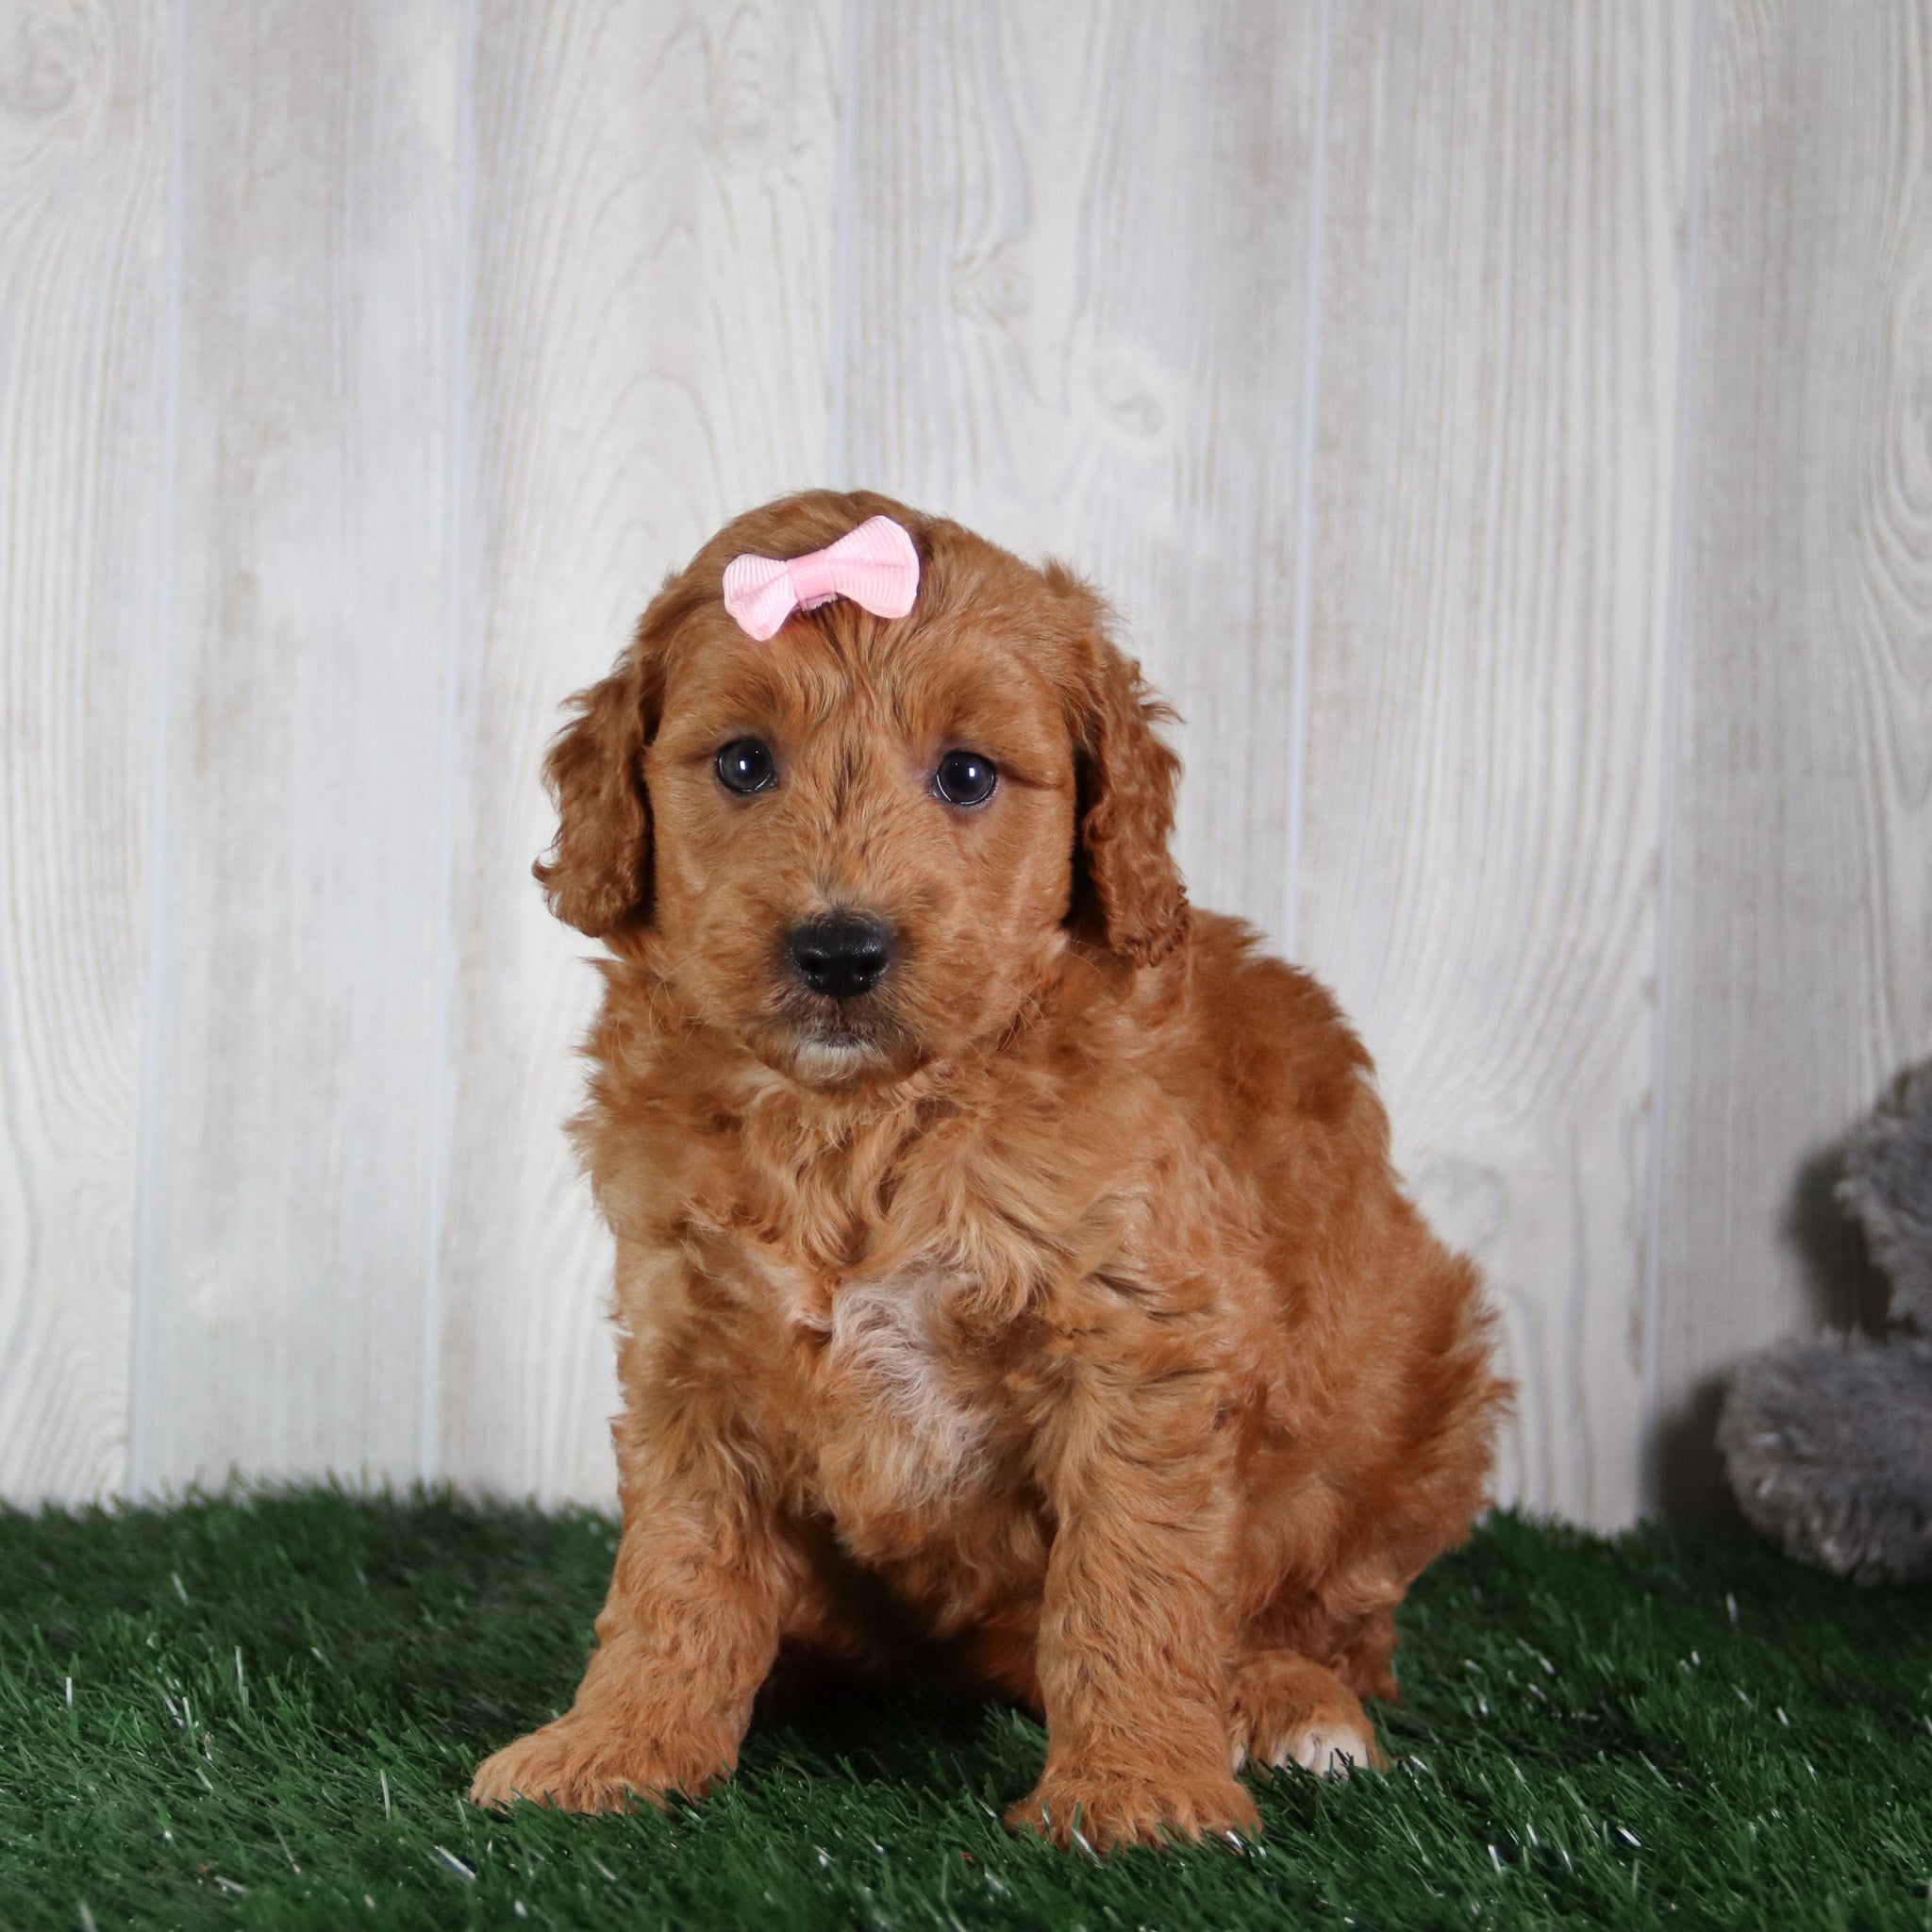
{"points": [[687, 1635], [1134, 1643]]}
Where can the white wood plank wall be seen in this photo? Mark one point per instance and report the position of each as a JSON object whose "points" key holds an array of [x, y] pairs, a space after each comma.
{"points": [[1507, 431]]}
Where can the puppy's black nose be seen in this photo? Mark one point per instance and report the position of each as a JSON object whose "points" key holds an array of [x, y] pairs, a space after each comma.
{"points": [[841, 955]]}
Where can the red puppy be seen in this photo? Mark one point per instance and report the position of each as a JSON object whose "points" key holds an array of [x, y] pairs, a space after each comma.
{"points": [[1012, 1280]]}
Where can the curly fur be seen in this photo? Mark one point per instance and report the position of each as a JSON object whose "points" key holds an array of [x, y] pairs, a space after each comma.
{"points": [[1829, 1444], [1048, 1319]]}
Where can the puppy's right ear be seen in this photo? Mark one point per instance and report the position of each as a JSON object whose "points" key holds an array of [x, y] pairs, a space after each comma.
{"points": [[597, 875]]}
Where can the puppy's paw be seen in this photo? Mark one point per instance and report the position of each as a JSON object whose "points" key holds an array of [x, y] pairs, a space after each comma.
{"points": [[1103, 1811], [581, 1764], [1288, 1709], [1328, 1752]]}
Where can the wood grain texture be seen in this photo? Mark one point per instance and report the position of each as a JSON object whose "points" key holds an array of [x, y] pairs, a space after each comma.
{"points": [[654, 251], [281, 1297], [83, 211], [1077, 321], [1492, 568], [1341, 341], [1797, 976]]}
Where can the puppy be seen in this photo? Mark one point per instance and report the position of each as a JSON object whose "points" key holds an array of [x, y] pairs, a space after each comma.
{"points": [[1011, 1282]]}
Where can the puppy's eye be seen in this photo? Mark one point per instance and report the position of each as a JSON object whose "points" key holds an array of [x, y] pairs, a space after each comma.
{"points": [[964, 777], [745, 765]]}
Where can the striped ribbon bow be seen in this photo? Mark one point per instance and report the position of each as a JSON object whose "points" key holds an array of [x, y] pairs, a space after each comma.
{"points": [[874, 565]]}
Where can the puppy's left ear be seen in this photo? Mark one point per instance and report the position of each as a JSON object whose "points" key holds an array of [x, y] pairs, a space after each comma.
{"points": [[1128, 882]]}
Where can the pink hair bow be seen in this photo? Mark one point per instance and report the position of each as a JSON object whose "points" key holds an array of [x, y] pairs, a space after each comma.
{"points": [[874, 565]]}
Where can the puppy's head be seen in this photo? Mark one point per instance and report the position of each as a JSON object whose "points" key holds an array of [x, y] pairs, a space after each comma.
{"points": [[865, 842]]}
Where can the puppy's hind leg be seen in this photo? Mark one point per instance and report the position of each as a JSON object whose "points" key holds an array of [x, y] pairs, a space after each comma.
{"points": [[1285, 1708]]}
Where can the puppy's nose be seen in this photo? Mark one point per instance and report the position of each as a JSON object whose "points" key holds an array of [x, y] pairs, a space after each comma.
{"points": [[842, 954]]}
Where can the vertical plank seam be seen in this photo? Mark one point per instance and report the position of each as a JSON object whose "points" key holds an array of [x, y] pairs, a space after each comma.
{"points": [[1305, 483], [429, 1413], [138, 1471], [841, 239], [1674, 673]]}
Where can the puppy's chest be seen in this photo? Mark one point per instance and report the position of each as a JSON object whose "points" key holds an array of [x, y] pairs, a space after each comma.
{"points": [[898, 1395]]}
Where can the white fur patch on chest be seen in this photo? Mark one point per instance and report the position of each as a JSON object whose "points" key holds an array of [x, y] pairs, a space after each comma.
{"points": [[911, 1429]]}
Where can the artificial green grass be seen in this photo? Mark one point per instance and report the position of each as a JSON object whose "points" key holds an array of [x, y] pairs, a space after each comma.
{"points": [[262, 1711]]}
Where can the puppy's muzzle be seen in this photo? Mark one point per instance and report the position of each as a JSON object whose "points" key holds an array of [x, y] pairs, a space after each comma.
{"points": [[840, 955]]}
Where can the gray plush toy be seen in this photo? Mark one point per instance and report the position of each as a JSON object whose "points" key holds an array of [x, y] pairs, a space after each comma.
{"points": [[1829, 1444]]}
